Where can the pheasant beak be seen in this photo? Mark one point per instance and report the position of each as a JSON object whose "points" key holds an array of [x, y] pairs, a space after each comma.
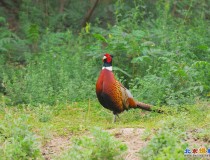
{"points": [[104, 57]]}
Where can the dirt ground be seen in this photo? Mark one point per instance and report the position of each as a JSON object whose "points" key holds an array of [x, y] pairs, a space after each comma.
{"points": [[55, 146], [130, 136]]}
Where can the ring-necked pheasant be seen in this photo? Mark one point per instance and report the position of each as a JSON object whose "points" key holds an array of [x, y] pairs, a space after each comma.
{"points": [[112, 94]]}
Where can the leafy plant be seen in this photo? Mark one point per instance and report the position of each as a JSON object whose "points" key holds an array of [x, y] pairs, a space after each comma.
{"points": [[100, 146], [164, 145], [44, 113], [17, 141]]}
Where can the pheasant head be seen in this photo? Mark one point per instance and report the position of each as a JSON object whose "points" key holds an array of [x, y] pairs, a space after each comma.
{"points": [[107, 59]]}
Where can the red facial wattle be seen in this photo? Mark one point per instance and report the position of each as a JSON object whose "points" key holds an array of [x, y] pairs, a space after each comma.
{"points": [[108, 57]]}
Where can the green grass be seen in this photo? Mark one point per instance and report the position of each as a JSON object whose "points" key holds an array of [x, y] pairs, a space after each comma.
{"points": [[79, 118]]}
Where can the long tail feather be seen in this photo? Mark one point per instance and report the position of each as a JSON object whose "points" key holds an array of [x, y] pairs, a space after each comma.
{"points": [[149, 107], [144, 106]]}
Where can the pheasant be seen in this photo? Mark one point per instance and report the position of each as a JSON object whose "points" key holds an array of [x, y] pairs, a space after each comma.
{"points": [[112, 94]]}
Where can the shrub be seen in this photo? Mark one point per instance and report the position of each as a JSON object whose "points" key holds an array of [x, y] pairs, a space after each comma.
{"points": [[100, 146], [58, 74], [164, 145], [17, 141]]}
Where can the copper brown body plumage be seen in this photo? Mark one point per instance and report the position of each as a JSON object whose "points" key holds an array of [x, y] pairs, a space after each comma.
{"points": [[112, 94]]}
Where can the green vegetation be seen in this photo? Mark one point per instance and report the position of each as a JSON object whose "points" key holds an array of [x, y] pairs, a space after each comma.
{"points": [[50, 56], [101, 146], [17, 140], [167, 135]]}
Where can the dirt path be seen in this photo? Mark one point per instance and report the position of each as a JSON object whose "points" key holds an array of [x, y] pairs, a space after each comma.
{"points": [[130, 136], [55, 147]]}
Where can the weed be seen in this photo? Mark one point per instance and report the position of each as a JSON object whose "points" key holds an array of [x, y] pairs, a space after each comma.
{"points": [[164, 145], [100, 146], [44, 113], [17, 141]]}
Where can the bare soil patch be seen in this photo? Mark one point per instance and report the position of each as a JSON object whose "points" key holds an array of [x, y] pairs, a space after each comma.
{"points": [[55, 147], [132, 137]]}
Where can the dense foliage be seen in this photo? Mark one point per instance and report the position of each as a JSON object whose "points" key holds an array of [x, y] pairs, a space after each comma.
{"points": [[161, 50]]}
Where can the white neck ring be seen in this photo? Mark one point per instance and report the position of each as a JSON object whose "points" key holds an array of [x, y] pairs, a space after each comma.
{"points": [[108, 68]]}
